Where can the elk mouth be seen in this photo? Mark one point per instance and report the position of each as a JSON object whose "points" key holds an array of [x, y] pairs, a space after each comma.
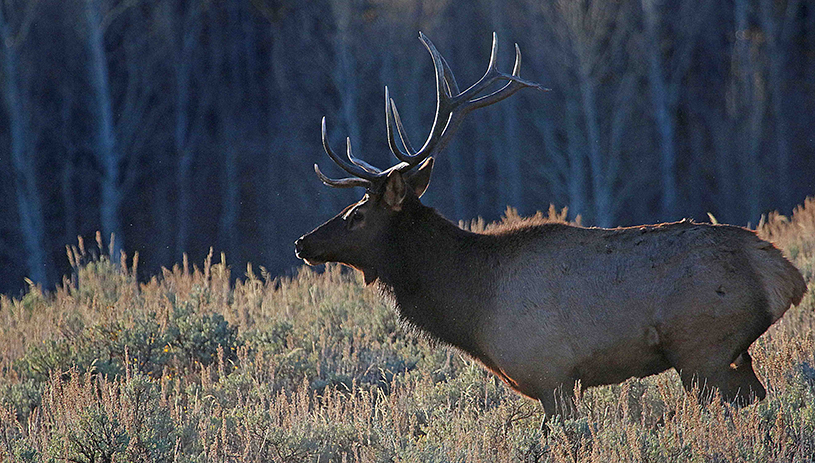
{"points": [[312, 261], [301, 253]]}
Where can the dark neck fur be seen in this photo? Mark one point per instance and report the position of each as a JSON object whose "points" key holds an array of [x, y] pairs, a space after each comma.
{"points": [[437, 275]]}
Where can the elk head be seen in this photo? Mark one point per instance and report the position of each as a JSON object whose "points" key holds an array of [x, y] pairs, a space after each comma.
{"points": [[358, 236]]}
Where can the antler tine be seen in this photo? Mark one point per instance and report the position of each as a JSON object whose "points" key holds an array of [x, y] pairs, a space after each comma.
{"points": [[515, 83], [343, 182], [359, 162], [516, 69], [493, 64], [445, 82], [492, 75], [452, 85], [392, 120], [401, 129], [352, 169], [389, 123]]}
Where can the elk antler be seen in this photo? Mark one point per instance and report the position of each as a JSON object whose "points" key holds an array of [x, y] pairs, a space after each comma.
{"points": [[451, 107]]}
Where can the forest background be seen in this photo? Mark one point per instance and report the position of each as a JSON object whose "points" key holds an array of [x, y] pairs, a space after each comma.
{"points": [[184, 125]]}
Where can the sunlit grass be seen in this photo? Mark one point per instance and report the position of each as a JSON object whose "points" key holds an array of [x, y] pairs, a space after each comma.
{"points": [[188, 367]]}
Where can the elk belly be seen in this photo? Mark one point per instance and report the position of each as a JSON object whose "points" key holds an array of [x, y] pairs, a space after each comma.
{"points": [[640, 356], [540, 355], [528, 347], [547, 333]]}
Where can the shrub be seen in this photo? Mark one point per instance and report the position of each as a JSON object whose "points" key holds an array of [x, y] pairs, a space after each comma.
{"points": [[316, 367]]}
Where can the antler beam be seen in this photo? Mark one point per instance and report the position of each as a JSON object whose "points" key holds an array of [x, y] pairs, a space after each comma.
{"points": [[451, 107]]}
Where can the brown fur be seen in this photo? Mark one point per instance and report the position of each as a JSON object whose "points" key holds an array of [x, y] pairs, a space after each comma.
{"points": [[543, 305]]}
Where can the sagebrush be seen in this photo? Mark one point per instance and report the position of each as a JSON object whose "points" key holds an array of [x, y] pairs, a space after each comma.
{"points": [[191, 367]]}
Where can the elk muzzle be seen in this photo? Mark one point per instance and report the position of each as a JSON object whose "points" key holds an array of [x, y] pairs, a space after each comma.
{"points": [[303, 251]]}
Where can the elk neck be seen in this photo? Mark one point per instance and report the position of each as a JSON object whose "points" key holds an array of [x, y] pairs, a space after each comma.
{"points": [[438, 275]]}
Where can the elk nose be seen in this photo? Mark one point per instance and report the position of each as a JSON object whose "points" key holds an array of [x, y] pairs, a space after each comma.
{"points": [[298, 245]]}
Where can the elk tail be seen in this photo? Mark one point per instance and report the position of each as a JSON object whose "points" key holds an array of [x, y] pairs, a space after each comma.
{"points": [[783, 284]]}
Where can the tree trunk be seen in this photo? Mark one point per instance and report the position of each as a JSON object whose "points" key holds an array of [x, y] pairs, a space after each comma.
{"points": [[577, 161], [69, 199], [29, 204], [231, 136], [507, 150], [182, 133], [107, 152], [345, 75], [782, 155], [751, 99], [777, 29], [662, 113], [600, 188]]}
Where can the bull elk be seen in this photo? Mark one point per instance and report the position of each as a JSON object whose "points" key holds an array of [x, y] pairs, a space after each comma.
{"points": [[543, 305]]}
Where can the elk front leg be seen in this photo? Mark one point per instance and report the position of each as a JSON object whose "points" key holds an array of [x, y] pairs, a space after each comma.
{"points": [[557, 402]]}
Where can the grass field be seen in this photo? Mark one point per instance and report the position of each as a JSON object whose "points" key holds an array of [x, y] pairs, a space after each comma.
{"points": [[189, 367]]}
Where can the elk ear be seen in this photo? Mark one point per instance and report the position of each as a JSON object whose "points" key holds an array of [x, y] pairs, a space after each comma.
{"points": [[420, 178], [395, 190]]}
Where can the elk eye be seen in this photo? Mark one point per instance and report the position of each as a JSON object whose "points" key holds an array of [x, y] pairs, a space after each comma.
{"points": [[355, 218]]}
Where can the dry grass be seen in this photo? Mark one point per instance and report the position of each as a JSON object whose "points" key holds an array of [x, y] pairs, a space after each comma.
{"points": [[316, 368]]}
